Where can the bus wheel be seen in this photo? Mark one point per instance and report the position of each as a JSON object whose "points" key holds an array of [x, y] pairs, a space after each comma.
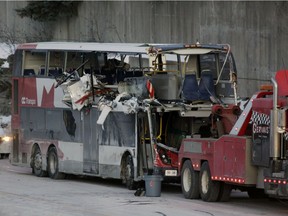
{"points": [[189, 181], [37, 164], [209, 190], [53, 165], [128, 173]]}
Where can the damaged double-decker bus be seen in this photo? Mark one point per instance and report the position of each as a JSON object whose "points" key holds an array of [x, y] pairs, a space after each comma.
{"points": [[114, 110]]}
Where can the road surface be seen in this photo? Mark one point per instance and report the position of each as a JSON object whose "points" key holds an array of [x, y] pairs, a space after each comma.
{"points": [[22, 194]]}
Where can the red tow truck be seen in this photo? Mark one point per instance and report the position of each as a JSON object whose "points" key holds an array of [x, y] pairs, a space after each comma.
{"points": [[246, 150]]}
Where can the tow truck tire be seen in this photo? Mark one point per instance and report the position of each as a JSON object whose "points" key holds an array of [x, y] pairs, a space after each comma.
{"points": [[225, 191], [37, 163], [189, 181], [128, 173], [53, 165], [209, 190]]}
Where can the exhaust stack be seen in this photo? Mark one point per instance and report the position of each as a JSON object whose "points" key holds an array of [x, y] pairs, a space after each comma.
{"points": [[275, 138]]}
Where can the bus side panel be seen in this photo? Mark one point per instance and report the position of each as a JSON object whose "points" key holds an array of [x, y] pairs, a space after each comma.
{"points": [[71, 157], [91, 146], [70, 142], [116, 137], [47, 127]]}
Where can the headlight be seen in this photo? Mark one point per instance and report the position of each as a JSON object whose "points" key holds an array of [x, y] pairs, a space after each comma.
{"points": [[6, 138]]}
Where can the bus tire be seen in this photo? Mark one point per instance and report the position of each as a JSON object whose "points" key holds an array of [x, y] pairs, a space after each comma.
{"points": [[53, 165], [37, 163], [189, 181], [128, 173], [209, 190], [225, 191]]}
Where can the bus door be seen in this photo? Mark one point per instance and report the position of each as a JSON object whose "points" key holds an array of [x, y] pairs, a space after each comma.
{"points": [[90, 144], [145, 162]]}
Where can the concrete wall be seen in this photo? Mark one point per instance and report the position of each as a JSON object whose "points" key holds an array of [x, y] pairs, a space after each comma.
{"points": [[18, 30], [256, 31]]}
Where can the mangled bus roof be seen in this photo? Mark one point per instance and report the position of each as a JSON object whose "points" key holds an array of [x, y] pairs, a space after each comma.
{"points": [[188, 49], [133, 48], [87, 46]]}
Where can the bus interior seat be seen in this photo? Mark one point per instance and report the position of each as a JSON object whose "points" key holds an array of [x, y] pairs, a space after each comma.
{"points": [[120, 75], [190, 88], [55, 72], [42, 71], [206, 85], [29, 72], [108, 76], [52, 72]]}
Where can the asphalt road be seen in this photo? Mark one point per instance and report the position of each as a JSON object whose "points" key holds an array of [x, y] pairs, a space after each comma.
{"points": [[22, 194]]}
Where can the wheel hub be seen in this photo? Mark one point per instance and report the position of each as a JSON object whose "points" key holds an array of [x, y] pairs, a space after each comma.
{"points": [[38, 161], [205, 182], [52, 164], [187, 180]]}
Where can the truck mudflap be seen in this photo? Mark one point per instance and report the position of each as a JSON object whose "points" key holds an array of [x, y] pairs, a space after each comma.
{"points": [[276, 187]]}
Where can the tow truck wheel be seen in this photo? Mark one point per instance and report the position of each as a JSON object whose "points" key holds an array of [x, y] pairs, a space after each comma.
{"points": [[128, 173], [209, 190], [37, 163], [53, 165], [225, 191], [189, 181]]}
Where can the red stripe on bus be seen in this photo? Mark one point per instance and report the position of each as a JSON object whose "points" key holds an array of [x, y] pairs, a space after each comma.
{"points": [[27, 46]]}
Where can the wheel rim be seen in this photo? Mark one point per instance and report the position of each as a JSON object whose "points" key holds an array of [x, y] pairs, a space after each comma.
{"points": [[38, 161], [204, 182], [52, 164], [128, 172], [187, 179]]}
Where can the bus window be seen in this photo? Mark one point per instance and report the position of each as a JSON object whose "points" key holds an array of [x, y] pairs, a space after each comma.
{"points": [[17, 66], [56, 63], [172, 64], [53, 116], [227, 67], [69, 122], [32, 63], [74, 59], [208, 62], [191, 67], [15, 97], [36, 119]]}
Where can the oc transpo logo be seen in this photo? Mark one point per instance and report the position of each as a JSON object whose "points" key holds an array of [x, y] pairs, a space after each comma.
{"points": [[27, 101]]}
